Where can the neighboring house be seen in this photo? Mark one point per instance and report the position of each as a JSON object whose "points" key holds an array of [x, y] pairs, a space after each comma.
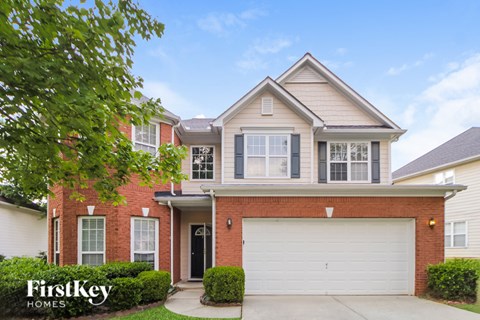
{"points": [[292, 183], [457, 161], [23, 229]]}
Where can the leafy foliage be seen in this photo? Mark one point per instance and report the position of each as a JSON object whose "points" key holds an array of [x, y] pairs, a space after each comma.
{"points": [[126, 293], [120, 269], [224, 284], [19, 198], [454, 280], [155, 285], [66, 92]]}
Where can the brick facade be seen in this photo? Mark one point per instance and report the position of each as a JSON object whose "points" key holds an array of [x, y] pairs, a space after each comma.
{"points": [[428, 244]]}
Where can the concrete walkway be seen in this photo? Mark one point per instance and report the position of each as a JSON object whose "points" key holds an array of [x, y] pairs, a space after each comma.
{"points": [[350, 308], [187, 302]]}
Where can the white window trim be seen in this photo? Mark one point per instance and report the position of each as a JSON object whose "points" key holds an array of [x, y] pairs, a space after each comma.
{"points": [[443, 173], [262, 110], [79, 242], [267, 156], [56, 239], [191, 162], [349, 162], [157, 138], [132, 240], [451, 234]]}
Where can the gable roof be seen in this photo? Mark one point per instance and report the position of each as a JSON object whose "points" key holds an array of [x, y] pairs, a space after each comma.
{"points": [[310, 63], [28, 205], [270, 85], [462, 148]]}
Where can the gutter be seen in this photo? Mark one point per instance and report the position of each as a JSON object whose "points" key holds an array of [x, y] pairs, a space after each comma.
{"points": [[451, 195], [214, 228], [169, 204]]}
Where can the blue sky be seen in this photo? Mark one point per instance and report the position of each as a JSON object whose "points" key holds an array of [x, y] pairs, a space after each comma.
{"points": [[416, 61]]}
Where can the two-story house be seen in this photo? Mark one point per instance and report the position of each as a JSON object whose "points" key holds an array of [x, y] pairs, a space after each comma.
{"points": [[457, 161], [292, 182]]}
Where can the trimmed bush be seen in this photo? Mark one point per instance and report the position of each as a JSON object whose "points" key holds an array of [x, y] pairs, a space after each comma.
{"points": [[126, 293], [224, 284], [120, 269], [14, 274], [155, 285], [74, 306], [454, 280]]}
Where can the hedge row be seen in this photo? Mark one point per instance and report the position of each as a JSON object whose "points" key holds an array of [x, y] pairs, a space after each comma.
{"points": [[224, 284], [131, 283]]}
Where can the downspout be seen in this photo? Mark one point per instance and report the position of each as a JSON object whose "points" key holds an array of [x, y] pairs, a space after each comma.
{"points": [[451, 195], [214, 227], [169, 204], [172, 191]]}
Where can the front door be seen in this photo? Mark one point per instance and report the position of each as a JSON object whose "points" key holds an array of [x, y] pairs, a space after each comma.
{"points": [[201, 250]]}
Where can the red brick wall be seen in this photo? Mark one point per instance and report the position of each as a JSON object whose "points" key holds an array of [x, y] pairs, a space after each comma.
{"points": [[429, 242]]}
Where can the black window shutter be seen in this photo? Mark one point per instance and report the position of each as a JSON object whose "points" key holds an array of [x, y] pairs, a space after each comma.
{"points": [[239, 156], [375, 162], [295, 156], [322, 162]]}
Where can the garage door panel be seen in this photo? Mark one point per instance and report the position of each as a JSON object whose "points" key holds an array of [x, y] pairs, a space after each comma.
{"points": [[319, 256]]}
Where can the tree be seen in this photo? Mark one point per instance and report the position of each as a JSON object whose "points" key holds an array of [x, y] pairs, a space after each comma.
{"points": [[66, 89]]}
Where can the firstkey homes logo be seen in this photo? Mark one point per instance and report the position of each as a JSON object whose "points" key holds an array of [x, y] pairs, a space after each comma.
{"points": [[96, 295]]}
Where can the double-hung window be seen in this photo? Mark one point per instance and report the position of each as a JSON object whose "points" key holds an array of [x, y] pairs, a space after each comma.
{"points": [[349, 161], [146, 137], [56, 241], [446, 177], [91, 240], [144, 240], [267, 156], [202, 163], [456, 234]]}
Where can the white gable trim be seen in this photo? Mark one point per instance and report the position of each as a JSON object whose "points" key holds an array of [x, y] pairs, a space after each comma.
{"points": [[269, 83], [309, 60]]}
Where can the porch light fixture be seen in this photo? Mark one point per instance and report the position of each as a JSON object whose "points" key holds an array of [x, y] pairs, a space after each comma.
{"points": [[329, 211], [229, 223], [145, 211], [90, 210], [432, 223]]}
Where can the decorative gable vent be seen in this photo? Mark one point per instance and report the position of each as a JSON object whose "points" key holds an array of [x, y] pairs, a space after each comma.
{"points": [[267, 106]]}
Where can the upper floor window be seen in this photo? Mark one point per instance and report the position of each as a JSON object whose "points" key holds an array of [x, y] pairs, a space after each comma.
{"points": [[456, 234], [267, 156], [446, 177], [348, 161], [146, 137], [202, 163]]}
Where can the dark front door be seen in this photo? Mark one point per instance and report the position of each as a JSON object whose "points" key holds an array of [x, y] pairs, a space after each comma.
{"points": [[201, 250]]}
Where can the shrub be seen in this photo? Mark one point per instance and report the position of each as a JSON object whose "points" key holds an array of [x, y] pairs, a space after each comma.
{"points": [[14, 274], [126, 293], [120, 269], [454, 280], [2, 257], [155, 285], [224, 284], [74, 306]]}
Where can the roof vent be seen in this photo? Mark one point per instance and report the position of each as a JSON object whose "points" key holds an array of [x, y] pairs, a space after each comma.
{"points": [[267, 106]]}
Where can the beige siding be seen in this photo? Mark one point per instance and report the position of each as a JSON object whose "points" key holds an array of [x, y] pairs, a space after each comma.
{"points": [[307, 75], [329, 104], [282, 116], [465, 206], [187, 219], [193, 187]]}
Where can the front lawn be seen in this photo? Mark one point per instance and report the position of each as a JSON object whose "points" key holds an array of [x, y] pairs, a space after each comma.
{"points": [[161, 313], [473, 307]]}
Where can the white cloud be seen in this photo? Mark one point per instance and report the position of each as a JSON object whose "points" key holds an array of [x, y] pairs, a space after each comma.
{"points": [[255, 57], [394, 71], [221, 23], [445, 109]]}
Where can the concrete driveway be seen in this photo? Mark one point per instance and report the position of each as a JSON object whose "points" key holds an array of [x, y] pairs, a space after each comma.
{"points": [[350, 308]]}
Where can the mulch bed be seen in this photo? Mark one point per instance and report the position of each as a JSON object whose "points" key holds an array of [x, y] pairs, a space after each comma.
{"points": [[205, 300]]}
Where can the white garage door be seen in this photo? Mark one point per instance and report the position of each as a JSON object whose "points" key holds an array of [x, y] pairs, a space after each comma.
{"points": [[328, 256]]}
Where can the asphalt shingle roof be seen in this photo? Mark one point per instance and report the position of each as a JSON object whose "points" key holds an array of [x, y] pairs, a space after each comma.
{"points": [[463, 146], [197, 124]]}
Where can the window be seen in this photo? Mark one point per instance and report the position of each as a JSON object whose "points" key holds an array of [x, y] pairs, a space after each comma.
{"points": [[91, 240], [267, 156], [144, 241], [267, 106], [447, 177], [202, 163], [56, 241], [349, 161], [456, 234], [146, 137]]}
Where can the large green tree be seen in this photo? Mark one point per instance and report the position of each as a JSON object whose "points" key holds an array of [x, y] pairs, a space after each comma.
{"points": [[66, 88]]}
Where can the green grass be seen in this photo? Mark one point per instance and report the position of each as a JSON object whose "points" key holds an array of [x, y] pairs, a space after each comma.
{"points": [[473, 307], [161, 313]]}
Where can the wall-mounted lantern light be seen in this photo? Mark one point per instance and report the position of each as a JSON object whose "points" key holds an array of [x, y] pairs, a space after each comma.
{"points": [[229, 223], [145, 211], [90, 210], [329, 211], [432, 223]]}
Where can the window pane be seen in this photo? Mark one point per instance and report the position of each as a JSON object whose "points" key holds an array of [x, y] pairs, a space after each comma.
{"points": [[145, 257], [338, 152], [256, 145], [448, 239], [278, 167], [459, 241], [359, 152], [338, 172], [278, 145], [459, 227], [359, 172], [92, 259], [256, 167], [202, 163]]}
